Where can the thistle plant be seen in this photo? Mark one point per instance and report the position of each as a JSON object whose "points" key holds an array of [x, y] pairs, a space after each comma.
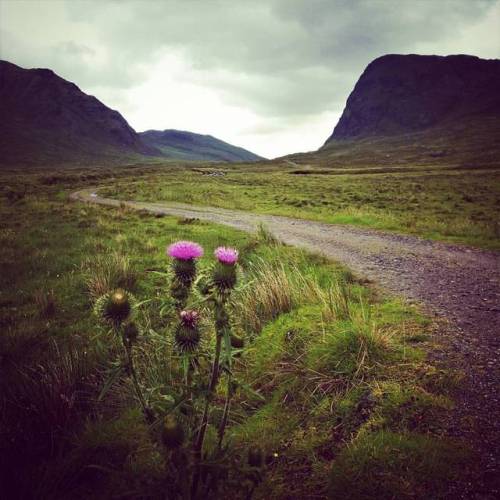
{"points": [[117, 309], [184, 255], [200, 297]]}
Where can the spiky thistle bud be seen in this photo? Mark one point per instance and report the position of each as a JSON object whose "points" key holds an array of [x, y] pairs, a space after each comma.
{"points": [[224, 274], [172, 432], [187, 333], [185, 271], [114, 307]]}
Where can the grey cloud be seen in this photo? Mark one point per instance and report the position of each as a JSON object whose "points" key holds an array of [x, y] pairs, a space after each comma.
{"points": [[280, 58]]}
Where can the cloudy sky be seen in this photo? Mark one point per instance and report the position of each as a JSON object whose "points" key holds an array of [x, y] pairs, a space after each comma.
{"points": [[268, 75]]}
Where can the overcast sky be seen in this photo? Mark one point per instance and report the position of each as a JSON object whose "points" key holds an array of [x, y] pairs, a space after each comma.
{"points": [[268, 75]]}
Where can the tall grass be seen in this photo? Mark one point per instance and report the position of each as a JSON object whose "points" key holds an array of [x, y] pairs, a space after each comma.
{"points": [[103, 273], [277, 287]]}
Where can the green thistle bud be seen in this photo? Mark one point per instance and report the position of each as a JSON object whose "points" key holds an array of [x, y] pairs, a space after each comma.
{"points": [[255, 456], [114, 307], [224, 277], [172, 433], [187, 334], [185, 271]]}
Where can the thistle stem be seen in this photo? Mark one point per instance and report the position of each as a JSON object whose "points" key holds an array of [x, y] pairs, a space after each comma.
{"points": [[225, 415], [204, 420], [133, 375]]}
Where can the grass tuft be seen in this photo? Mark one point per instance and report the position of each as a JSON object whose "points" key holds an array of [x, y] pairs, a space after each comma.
{"points": [[393, 465], [104, 273]]}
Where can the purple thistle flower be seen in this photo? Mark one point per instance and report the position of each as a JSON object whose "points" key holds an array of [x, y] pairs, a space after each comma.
{"points": [[189, 318], [185, 250], [226, 255]]}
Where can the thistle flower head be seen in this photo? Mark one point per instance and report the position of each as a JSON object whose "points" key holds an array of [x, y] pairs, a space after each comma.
{"points": [[226, 255], [189, 318], [187, 334], [184, 250]]}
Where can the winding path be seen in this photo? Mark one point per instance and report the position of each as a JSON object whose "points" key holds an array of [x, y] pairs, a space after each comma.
{"points": [[460, 284]]}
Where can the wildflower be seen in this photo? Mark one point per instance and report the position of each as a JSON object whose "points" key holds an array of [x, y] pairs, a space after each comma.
{"points": [[185, 250], [224, 275], [172, 432], [185, 254], [189, 318], [226, 255], [187, 334]]}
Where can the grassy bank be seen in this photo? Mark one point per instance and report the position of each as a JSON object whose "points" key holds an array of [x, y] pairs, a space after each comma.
{"points": [[457, 205], [334, 385]]}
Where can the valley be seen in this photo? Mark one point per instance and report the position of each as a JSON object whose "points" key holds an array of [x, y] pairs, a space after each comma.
{"points": [[182, 318]]}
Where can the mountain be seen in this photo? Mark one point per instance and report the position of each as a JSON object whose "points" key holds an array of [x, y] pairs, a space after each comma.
{"points": [[414, 110], [48, 119], [190, 146], [399, 94]]}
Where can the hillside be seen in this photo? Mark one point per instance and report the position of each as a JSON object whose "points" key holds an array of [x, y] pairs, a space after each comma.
{"points": [[49, 120], [190, 146], [52, 120], [399, 94], [410, 110]]}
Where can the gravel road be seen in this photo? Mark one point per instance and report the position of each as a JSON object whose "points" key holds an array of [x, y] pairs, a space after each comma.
{"points": [[459, 284]]}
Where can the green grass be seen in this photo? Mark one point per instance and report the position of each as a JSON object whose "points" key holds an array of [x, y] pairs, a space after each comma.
{"points": [[386, 465], [334, 384], [453, 204]]}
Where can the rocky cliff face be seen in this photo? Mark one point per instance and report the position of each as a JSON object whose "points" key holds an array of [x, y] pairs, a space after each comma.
{"points": [[398, 94], [45, 117]]}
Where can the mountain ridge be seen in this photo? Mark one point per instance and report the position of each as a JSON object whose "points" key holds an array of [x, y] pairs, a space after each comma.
{"points": [[52, 121], [399, 94], [193, 146]]}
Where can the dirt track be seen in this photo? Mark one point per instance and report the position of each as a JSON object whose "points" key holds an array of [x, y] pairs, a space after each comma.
{"points": [[457, 283]]}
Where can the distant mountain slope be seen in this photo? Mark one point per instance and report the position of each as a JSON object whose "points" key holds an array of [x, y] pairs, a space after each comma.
{"points": [[190, 146], [48, 119], [399, 94]]}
